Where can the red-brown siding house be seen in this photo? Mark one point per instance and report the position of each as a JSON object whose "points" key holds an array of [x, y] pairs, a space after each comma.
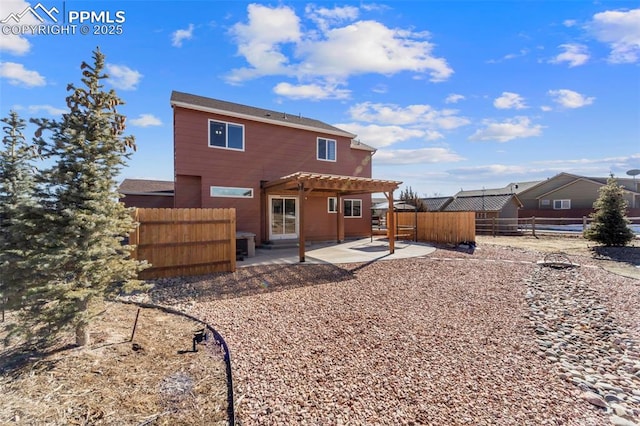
{"points": [[229, 155]]}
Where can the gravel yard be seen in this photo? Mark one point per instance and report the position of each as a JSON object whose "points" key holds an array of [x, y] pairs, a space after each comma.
{"points": [[452, 338]]}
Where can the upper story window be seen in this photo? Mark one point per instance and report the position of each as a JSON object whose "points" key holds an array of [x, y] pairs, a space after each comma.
{"points": [[226, 135], [326, 149], [561, 204]]}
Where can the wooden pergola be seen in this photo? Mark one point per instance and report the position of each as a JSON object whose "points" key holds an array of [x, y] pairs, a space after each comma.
{"points": [[303, 183]]}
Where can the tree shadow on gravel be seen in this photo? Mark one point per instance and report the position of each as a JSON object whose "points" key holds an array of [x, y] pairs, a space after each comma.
{"points": [[17, 358], [628, 254], [246, 282]]}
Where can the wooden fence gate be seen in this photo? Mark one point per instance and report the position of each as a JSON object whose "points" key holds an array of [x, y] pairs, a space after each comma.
{"points": [[179, 242]]}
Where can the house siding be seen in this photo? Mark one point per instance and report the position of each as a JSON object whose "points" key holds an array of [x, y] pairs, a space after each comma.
{"points": [[581, 193], [270, 152], [529, 198]]}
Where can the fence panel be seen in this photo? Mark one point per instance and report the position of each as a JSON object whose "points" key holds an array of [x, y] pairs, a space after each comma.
{"points": [[439, 227], [180, 242]]}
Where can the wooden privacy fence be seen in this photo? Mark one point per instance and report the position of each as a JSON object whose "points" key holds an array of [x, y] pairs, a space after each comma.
{"points": [[179, 242], [437, 227]]}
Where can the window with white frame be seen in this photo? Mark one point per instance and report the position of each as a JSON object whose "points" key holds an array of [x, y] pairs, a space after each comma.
{"points": [[545, 202], [561, 204], [332, 205], [226, 135], [326, 149], [352, 208], [231, 192]]}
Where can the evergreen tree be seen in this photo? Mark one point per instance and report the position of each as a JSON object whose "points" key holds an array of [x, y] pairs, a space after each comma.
{"points": [[610, 225], [408, 196], [17, 202], [84, 258]]}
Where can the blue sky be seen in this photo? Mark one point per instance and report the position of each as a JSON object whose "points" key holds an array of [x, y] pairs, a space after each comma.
{"points": [[453, 94]]}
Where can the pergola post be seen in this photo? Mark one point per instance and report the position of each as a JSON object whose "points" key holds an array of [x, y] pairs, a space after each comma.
{"points": [[301, 242], [340, 219], [391, 224]]}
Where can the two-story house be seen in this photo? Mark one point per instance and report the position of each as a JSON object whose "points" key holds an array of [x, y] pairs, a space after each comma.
{"points": [[284, 174]]}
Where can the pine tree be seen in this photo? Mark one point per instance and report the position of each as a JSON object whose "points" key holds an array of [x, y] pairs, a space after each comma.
{"points": [[408, 196], [609, 223], [17, 202], [84, 257]]}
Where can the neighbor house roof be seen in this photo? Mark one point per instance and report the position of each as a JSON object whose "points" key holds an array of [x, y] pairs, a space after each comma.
{"points": [[512, 188], [146, 187], [435, 204], [280, 118], [480, 203]]}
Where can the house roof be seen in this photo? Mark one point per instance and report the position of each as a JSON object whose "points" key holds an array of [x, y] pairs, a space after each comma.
{"points": [[435, 204], [280, 118], [486, 203], [512, 188], [146, 187]]}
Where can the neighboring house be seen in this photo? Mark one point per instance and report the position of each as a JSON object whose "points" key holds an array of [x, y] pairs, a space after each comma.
{"points": [[147, 193], [567, 195], [285, 175], [486, 203]]}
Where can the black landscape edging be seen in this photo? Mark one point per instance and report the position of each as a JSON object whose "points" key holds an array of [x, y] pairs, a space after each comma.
{"points": [[218, 339]]}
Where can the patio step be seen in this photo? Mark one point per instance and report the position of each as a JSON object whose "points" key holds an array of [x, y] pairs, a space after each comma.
{"points": [[282, 244]]}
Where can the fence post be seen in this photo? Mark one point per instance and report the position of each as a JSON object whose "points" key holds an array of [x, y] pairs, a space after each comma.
{"points": [[533, 225], [584, 223], [493, 226]]}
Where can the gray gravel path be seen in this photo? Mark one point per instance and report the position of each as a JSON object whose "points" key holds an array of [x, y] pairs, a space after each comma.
{"points": [[447, 339]]}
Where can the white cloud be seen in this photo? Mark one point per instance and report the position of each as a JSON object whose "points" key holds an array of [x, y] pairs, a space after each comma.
{"points": [[146, 120], [14, 44], [509, 56], [569, 23], [51, 110], [420, 114], [454, 98], [178, 36], [123, 77], [570, 99], [509, 100], [574, 54], [325, 18], [370, 47], [621, 30], [416, 156], [311, 91], [18, 75], [273, 42], [516, 128], [380, 136], [259, 41]]}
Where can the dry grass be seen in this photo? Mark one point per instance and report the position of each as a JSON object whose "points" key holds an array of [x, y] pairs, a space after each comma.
{"points": [[117, 382]]}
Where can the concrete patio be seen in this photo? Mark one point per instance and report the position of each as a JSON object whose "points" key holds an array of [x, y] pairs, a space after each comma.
{"points": [[363, 250]]}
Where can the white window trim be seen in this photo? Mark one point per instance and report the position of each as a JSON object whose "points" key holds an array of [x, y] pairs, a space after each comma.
{"points": [[335, 204], [562, 203], [226, 123], [335, 144], [213, 188], [352, 200]]}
